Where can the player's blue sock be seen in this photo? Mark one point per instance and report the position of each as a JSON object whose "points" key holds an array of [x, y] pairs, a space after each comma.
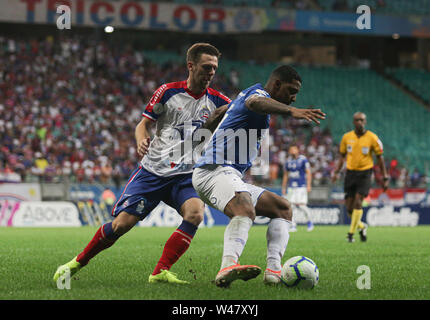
{"points": [[104, 238], [188, 227], [108, 231]]}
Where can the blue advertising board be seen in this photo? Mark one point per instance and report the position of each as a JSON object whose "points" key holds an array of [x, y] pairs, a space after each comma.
{"points": [[94, 211], [339, 22], [400, 216]]}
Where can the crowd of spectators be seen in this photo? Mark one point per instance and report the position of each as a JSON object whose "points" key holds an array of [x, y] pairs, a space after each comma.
{"points": [[68, 111]]}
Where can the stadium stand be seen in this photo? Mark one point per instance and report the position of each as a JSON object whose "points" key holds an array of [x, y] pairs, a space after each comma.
{"points": [[66, 98], [365, 90], [415, 80]]}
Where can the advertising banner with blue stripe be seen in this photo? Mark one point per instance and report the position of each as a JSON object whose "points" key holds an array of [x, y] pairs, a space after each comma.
{"points": [[206, 18], [134, 14], [166, 216], [339, 22], [328, 22], [401, 216], [95, 204]]}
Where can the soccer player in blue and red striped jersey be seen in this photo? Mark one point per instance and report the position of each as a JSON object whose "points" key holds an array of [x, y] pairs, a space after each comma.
{"points": [[164, 173]]}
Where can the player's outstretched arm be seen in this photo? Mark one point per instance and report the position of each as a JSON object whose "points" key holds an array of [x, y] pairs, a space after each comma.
{"points": [[266, 105], [143, 135]]}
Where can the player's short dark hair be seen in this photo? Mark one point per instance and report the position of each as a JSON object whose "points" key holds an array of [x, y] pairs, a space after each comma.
{"points": [[197, 49], [286, 73]]}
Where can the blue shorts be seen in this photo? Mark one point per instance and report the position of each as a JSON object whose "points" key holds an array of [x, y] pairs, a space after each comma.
{"points": [[145, 190]]}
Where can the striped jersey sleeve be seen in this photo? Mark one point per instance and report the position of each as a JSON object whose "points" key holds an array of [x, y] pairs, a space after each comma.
{"points": [[156, 105], [378, 147], [218, 98]]}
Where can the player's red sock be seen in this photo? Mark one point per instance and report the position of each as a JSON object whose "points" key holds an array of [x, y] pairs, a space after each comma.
{"points": [[176, 246], [103, 239]]}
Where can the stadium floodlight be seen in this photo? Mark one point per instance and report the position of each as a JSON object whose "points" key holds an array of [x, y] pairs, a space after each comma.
{"points": [[109, 29]]}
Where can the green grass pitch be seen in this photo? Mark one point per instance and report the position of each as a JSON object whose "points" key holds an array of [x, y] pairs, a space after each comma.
{"points": [[398, 258]]}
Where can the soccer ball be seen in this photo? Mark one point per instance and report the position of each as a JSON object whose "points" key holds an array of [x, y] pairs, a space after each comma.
{"points": [[300, 272]]}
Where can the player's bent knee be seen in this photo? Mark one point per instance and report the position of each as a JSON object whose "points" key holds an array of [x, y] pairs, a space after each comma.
{"points": [[251, 214], [284, 210], [123, 223], [240, 205], [245, 212], [195, 217], [119, 228], [193, 210]]}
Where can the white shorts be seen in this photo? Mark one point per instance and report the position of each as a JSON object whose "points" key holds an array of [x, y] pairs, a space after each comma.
{"points": [[217, 185], [297, 195]]}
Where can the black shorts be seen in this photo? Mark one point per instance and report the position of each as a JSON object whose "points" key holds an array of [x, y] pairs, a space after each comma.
{"points": [[357, 182]]}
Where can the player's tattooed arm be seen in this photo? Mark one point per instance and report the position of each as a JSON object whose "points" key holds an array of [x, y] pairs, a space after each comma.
{"points": [[143, 136], [215, 118], [265, 105]]}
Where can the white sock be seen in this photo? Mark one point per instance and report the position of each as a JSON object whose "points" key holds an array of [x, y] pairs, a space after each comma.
{"points": [[294, 209], [306, 211], [277, 240], [235, 237]]}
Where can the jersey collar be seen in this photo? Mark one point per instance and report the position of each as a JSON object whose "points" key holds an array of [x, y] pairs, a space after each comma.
{"points": [[364, 133], [195, 96]]}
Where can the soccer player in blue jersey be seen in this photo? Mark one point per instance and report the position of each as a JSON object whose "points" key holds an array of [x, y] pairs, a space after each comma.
{"points": [[160, 176], [298, 177], [217, 176]]}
